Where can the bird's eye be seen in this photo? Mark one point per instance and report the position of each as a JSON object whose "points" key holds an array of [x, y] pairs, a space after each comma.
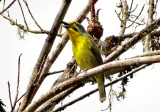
{"points": [[75, 23]]}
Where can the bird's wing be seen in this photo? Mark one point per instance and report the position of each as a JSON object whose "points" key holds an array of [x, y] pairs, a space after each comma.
{"points": [[96, 53]]}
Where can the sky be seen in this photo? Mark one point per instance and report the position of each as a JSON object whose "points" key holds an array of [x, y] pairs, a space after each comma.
{"points": [[143, 93]]}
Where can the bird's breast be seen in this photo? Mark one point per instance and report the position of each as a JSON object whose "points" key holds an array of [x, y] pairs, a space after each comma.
{"points": [[83, 55]]}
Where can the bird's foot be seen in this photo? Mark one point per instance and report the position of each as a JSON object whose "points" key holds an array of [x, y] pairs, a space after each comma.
{"points": [[85, 70]]}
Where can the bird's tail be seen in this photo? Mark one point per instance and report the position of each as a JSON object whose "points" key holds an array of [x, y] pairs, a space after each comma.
{"points": [[102, 92]]}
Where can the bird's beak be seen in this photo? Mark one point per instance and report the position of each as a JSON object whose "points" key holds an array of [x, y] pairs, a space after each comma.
{"points": [[66, 25]]}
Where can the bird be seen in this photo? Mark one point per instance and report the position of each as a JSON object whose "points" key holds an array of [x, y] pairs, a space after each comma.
{"points": [[86, 53]]}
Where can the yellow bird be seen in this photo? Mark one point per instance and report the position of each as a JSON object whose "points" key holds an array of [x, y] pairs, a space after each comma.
{"points": [[85, 52]]}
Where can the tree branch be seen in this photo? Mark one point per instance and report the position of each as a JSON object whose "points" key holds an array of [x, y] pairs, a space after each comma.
{"points": [[49, 105], [120, 69], [125, 15], [32, 15], [131, 42], [10, 99], [17, 92], [88, 74], [68, 73], [55, 72], [23, 14], [150, 19], [95, 90], [43, 55], [130, 35], [8, 7], [136, 17], [113, 41], [23, 27]]}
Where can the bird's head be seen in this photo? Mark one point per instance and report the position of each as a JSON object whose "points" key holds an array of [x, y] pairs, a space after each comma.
{"points": [[74, 27]]}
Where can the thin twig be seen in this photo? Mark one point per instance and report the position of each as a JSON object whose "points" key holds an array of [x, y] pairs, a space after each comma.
{"points": [[23, 27], [118, 15], [23, 94], [137, 22], [9, 90], [134, 9], [95, 90], [32, 15], [136, 17], [8, 7], [128, 44], [27, 90], [17, 92], [155, 6], [141, 20], [55, 72], [23, 14], [131, 6], [130, 35], [4, 3]]}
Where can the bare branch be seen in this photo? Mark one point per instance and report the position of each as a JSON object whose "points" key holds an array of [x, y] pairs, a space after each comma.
{"points": [[131, 6], [150, 19], [125, 15], [95, 90], [23, 14], [23, 27], [136, 17], [88, 74], [32, 15], [44, 53], [7, 7], [128, 44], [4, 3], [10, 99], [118, 15], [155, 6], [150, 53], [120, 69], [138, 23], [17, 92], [55, 72], [134, 9], [69, 72], [49, 105], [24, 94], [130, 35]]}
